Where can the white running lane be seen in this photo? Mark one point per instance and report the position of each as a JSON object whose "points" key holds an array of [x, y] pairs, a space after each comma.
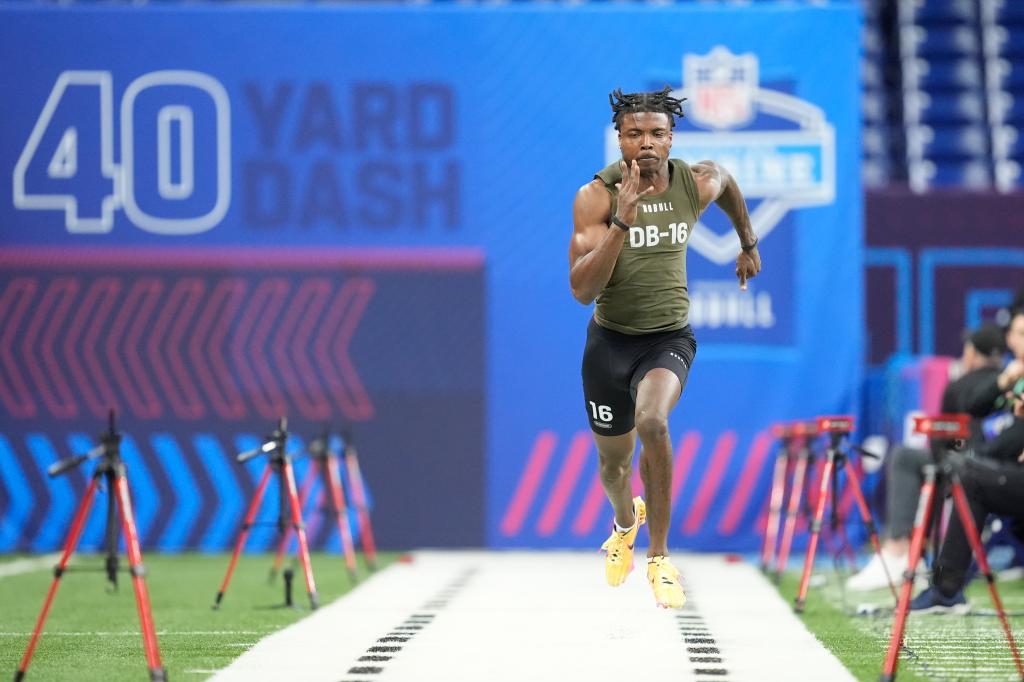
{"points": [[545, 617]]}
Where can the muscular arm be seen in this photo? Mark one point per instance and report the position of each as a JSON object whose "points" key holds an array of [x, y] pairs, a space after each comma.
{"points": [[714, 183], [595, 246]]}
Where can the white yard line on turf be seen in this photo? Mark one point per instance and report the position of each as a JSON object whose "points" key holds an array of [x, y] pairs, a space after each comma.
{"points": [[19, 566], [543, 616], [760, 636]]}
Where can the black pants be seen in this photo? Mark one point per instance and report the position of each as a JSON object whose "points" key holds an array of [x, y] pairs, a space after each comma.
{"points": [[903, 485], [991, 488]]}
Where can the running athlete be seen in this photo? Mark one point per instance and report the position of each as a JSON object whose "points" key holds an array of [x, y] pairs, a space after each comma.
{"points": [[631, 224]]}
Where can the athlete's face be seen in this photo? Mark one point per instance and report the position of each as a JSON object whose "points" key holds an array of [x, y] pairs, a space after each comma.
{"points": [[646, 137]]}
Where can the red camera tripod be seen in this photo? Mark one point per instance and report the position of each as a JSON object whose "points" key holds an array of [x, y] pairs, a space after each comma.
{"points": [[946, 432], [112, 470], [838, 429], [279, 462]]}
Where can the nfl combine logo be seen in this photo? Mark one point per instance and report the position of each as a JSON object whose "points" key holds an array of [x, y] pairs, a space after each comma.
{"points": [[780, 148], [723, 86]]}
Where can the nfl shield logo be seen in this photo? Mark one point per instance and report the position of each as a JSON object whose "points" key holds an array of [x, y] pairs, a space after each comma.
{"points": [[723, 85]]}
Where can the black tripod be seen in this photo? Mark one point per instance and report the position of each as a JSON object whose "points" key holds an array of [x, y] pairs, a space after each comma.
{"points": [[279, 462], [112, 470]]}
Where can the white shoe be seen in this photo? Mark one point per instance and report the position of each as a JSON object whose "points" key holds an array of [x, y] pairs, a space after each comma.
{"points": [[872, 576]]}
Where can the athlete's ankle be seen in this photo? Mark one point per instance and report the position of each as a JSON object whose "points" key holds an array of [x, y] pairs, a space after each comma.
{"points": [[625, 529]]}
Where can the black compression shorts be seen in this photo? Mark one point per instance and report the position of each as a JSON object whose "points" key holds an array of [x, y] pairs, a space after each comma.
{"points": [[613, 365]]}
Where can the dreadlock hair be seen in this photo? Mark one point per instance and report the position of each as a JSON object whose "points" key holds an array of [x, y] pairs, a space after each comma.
{"points": [[658, 102]]}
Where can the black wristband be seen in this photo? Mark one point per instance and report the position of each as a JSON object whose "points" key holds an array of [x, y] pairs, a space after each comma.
{"points": [[748, 247], [618, 223]]}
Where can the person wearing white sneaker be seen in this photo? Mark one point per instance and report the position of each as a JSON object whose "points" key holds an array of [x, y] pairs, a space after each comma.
{"points": [[980, 363]]}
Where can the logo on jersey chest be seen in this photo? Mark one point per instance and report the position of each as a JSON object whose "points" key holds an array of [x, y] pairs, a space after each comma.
{"points": [[653, 235], [659, 207]]}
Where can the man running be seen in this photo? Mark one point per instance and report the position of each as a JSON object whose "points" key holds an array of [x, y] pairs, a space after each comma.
{"points": [[631, 224]]}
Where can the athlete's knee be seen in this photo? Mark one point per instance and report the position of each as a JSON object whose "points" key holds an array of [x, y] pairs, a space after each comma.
{"points": [[652, 426], [615, 469]]}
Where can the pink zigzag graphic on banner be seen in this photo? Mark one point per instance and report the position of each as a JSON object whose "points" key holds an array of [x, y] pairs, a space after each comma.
{"points": [[71, 346], [551, 517], [51, 385], [80, 349], [289, 346], [278, 291], [214, 324], [709, 485], [14, 391], [740, 499], [320, 291], [123, 345], [189, 403], [526, 490], [261, 309], [352, 397]]}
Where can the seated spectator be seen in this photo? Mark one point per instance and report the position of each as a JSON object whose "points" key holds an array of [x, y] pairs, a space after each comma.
{"points": [[980, 365], [993, 482]]}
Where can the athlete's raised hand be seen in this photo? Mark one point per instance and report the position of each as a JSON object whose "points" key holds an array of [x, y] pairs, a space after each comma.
{"points": [[628, 194]]}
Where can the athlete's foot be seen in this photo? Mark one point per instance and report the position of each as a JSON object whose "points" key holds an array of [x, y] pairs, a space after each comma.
{"points": [[618, 561], [664, 580]]}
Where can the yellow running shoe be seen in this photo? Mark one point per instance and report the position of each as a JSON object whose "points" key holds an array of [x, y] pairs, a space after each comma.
{"points": [[618, 561], [664, 580]]}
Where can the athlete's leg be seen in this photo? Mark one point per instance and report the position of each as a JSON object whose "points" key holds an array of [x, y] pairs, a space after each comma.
{"points": [[656, 395], [616, 461]]}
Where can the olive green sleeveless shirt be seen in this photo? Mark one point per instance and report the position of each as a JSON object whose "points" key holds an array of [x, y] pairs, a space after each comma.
{"points": [[647, 291]]}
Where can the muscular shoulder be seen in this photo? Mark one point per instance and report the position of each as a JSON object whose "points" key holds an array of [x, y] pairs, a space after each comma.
{"points": [[593, 202], [710, 179], [706, 172]]}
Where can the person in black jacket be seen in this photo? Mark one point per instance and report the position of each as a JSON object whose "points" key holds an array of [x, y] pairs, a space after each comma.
{"points": [[980, 363], [993, 481]]}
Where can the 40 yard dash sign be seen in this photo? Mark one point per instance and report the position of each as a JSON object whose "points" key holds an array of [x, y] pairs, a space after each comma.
{"points": [[68, 164]]}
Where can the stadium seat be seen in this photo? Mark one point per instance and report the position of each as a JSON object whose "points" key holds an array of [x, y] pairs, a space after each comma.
{"points": [[1007, 43], [1009, 12], [875, 172], [940, 12], [1008, 142], [1007, 108], [1006, 75], [943, 74], [957, 142], [946, 108], [969, 174], [1009, 176], [873, 106], [943, 41], [876, 141]]}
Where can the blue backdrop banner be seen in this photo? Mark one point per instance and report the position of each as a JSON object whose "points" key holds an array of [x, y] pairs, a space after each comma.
{"points": [[359, 216]]}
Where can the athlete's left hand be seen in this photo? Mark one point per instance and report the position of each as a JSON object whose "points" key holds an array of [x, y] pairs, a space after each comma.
{"points": [[748, 264]]}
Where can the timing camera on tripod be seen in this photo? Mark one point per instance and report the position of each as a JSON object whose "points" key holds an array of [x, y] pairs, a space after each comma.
{"points": [[289, 517], [837, 458], [948, 435], [110, 470]]}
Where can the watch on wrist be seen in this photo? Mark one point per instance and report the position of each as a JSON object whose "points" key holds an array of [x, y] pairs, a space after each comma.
{"points": [[617, 222], [749, 247]]}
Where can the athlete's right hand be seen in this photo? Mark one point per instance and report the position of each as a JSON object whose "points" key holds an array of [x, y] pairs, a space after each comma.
{"points": [[628, 195]]}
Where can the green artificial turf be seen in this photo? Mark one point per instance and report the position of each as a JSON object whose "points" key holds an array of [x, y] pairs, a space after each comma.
{"points": [[944, 647], [93, 634]]}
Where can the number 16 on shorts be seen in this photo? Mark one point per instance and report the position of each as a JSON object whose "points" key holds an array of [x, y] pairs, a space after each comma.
{"points": [[602, 413]]}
